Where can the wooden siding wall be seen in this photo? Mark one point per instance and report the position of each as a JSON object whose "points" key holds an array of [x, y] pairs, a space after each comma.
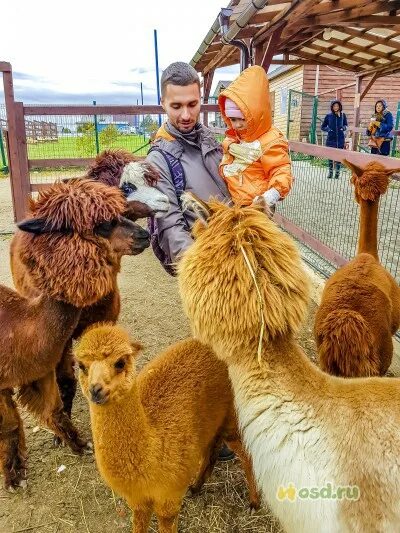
{"points": [[292, 79], [329, 78]]}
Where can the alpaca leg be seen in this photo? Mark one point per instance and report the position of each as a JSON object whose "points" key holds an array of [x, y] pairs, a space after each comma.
{"points": [[233, 441], [42, 398], [236, 446], [66, 378], [12, 442], [207, 466], [141, 519], [167, 516]]}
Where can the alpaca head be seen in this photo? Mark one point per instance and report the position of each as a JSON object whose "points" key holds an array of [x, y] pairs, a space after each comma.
{"points": [[74, 238], [240, 271], [106, 358], [371, 181], [135, 178]]}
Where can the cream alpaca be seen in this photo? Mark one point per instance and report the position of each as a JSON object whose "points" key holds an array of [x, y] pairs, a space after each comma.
{"points": [[300, 425], [157, 433]]}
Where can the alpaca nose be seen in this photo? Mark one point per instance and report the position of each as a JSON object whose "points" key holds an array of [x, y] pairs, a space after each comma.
{"points": [[97, 393]]}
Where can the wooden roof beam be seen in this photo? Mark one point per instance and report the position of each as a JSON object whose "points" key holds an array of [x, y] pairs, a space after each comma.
{"points": [[221, 56], [357, 48], [325, 61], [336, 5], [349, 15], [342, 55], [362, 34]]}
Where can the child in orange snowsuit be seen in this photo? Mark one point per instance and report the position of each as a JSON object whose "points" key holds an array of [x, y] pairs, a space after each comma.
{"points": [[256, 159]]}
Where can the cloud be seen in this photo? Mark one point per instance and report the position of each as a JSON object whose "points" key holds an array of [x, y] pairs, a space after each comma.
{"points": [[33, 95], [26, 77]]}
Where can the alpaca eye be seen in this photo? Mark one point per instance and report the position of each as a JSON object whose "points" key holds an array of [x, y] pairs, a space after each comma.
{"points": [[83, 368], [120, 364], [105, 228], [128, 188]]}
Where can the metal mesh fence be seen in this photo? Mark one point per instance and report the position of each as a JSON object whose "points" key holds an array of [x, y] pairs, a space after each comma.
{"points": [[85, 136], [326, 209]]}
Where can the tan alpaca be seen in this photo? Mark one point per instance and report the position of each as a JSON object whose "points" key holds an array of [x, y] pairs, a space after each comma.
{"points": [[159, 432], [303, 428], [360, 306]]}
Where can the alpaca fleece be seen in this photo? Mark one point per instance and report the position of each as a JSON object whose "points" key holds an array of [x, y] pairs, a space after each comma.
{"points": [[302, 427]]}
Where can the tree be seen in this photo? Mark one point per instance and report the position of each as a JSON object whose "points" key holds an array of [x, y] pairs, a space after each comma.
{"points": [[148, 125], [85, 127], [65, 130], [109, 135], [85, 143]]}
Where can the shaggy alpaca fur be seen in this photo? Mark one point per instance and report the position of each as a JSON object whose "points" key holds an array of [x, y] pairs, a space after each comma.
{"points": [[68, 253], [360, 306], [137, 179], [303, 428], [158, 432]]}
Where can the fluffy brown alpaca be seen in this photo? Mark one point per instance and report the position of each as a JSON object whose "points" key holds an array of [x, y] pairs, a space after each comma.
{"points": [[360, 306], [68, 249], [115, 168], [158, 432], [325, 449]]}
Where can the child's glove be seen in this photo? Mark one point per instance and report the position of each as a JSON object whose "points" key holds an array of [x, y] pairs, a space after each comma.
{"points": [[271, 196]]}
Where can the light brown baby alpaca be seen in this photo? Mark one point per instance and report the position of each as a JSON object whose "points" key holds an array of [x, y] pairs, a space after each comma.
{"points": [[158, 432]]}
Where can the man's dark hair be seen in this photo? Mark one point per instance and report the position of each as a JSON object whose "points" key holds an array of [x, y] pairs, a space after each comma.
{"points": [[179, 73]]}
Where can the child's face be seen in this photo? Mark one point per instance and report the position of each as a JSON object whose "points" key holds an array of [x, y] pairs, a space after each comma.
{"points": [[238, 124], [379, 107], [336, 108]]}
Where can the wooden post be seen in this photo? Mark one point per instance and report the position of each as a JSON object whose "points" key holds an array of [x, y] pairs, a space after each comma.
{"points": [[23, 159], [356, 119], [18, 188], [208, 78]]}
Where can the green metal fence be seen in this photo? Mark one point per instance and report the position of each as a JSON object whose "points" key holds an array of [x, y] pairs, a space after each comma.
{"points": [[325, 210], [3, 150], [301, 116]]}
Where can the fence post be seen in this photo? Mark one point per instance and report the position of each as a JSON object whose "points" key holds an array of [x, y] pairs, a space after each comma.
{"points": [[2, 152], [313, 133], [396, 127], [96, 132], [289, 106]]}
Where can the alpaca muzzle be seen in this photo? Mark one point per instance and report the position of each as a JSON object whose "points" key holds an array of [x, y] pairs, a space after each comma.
{"points": [[98, 394]]}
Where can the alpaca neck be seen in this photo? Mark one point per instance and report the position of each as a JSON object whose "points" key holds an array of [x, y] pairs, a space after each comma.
{"points": [[368, 240], [120, 431], [283, 367]]}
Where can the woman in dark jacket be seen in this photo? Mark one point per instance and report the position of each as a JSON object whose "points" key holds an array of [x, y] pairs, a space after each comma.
{"points": [[380, 129], [335, 124]]}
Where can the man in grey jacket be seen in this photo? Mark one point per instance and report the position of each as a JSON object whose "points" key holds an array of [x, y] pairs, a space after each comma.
{"points": [[199, 153], [186, 140]]}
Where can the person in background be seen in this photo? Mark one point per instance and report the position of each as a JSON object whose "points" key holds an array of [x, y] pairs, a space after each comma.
{"points": [[256, 162], [380, 129], [335, 125]]}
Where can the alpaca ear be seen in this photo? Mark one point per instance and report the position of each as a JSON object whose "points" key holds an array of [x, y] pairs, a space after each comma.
{"points": [[358, 171], [391, 171], [201, 209], [34, 225], [136, 347]]}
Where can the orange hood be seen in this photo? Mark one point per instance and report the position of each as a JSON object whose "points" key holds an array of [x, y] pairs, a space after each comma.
{"points": [[250, 92]]}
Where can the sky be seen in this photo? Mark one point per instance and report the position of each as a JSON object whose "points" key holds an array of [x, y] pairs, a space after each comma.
{"points": [[81, 50]]}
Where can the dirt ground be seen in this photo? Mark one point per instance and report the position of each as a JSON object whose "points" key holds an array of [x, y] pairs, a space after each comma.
{"points": [[75, 499]]}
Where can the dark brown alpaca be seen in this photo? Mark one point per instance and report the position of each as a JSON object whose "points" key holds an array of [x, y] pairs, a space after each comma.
{"points": [[115, 168], [68, 251], [360, 307]]}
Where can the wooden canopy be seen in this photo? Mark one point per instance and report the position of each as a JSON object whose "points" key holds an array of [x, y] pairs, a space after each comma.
{"points": [[362, 36]]}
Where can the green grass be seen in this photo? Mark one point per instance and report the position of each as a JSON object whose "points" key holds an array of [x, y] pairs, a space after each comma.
{"points": [[67, 147]]}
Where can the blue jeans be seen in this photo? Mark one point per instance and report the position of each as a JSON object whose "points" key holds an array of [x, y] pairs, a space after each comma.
{"points": [[384, 149]]}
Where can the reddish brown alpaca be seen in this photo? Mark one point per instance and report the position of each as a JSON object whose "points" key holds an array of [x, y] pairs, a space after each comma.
{"points": [[68, 250], [360, 307], [108, 168]]}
